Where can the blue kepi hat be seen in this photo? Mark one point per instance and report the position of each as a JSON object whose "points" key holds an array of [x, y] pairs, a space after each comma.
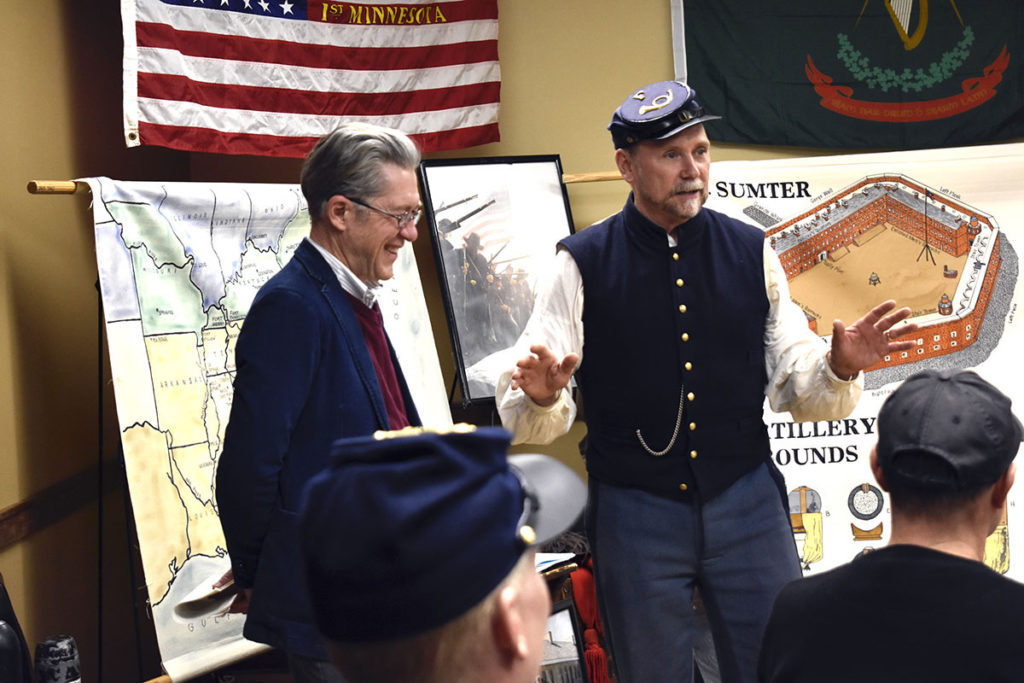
{"points": [[407, 530], [655, 112]]}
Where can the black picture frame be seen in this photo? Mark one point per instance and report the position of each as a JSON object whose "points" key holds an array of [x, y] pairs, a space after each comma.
{"points": [[494, 223], [562, 660]]}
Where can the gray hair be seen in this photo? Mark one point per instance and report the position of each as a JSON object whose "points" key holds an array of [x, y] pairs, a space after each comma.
{"points": [[348, 161], [450, 652]]}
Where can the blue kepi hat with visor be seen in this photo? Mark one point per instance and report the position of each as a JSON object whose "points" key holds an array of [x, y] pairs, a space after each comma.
{"points": [[655, 112]]}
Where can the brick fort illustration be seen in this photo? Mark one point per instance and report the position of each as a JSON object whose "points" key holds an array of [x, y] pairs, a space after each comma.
{"points": [[890, 237]]}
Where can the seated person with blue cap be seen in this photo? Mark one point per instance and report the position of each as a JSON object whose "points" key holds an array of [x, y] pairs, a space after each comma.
{"points": [[924, 608], [420, 547]]}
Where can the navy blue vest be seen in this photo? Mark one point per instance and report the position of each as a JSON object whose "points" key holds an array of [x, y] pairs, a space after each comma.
{"points": [[665, 325]]}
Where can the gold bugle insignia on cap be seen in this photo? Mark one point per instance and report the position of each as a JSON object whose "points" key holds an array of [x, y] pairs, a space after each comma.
{"points": [[527, 535], [660, 102], [457, 428]]}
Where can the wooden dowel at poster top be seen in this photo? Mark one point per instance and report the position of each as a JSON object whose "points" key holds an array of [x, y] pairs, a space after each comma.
{"points": [[590, 177], [70, 186], [52, 186], [160, 679]]}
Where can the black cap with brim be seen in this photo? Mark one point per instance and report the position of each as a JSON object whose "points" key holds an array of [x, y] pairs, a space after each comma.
{"points": [[947, 430]]}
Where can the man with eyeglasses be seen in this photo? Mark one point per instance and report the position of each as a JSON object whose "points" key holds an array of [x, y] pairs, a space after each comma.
{"points": [[685, 326], [313, 365]]}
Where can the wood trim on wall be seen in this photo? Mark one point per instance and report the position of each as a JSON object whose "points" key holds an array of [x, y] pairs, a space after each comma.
{"points": [[54, 503]]}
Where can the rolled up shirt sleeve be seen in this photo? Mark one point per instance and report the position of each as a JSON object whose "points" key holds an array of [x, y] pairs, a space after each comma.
{"points": [[556, 322], [800, 379]]}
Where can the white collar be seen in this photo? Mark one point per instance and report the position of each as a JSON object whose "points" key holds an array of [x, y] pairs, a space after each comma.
{"points": [[365, 292]]}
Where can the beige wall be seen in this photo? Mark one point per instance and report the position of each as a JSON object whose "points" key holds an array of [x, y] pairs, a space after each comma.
{"points": [[566, 65]]}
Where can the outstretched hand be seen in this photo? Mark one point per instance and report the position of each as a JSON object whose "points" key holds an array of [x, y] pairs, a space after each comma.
{"points": [[869, 339], [541, 375]]}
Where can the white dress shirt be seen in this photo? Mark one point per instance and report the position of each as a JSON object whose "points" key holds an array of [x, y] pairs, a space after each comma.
{"points": [[347, 279], [800, 380]]}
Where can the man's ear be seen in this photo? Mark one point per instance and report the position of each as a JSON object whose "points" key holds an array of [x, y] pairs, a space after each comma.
{"points": [[876, 469], [1002, 486], [339, 212], [507, 624], [624, 164]]}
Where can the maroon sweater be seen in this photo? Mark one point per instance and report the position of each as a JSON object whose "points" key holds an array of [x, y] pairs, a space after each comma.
{"points": [[372, 323]]}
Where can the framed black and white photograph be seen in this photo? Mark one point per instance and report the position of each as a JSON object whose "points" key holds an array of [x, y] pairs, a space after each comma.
{"points": [[563, 661], [494, 223]]}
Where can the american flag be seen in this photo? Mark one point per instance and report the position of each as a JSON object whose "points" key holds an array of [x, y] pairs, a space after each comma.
{"points": [[269, 77]]}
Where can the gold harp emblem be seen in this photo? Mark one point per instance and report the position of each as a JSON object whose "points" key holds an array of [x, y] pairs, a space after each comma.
{"points": [[900, 12]]}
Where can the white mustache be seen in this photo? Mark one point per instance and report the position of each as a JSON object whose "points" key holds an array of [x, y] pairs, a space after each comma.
{"points": [[682, 188]]}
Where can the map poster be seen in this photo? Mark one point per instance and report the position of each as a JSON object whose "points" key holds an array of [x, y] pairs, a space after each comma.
{"points": [[179, 265], [940, 231]]}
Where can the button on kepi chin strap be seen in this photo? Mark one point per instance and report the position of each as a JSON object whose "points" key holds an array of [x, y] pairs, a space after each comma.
{"points": [[526, 527]]}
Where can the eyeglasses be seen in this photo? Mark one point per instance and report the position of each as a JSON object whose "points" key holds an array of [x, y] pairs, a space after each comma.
{"points": [[404, 219]]}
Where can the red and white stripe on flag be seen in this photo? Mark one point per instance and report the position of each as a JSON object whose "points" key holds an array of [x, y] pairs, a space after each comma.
{"points": [[269, 77]]}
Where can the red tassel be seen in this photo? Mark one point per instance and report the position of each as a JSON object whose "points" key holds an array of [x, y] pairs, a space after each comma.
{"points": [[585, 596], [597, 663]]}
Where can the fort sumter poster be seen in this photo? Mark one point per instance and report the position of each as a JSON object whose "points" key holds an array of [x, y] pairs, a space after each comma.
{"points": [[939, 231]]}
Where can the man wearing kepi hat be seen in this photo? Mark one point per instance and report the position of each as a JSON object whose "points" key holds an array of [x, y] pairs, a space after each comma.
{"points": [[419, 550], [934, 611], [680, 320]]}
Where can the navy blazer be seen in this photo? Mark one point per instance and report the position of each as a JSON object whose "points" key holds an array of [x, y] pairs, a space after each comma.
{"points": [[304, 378]]}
